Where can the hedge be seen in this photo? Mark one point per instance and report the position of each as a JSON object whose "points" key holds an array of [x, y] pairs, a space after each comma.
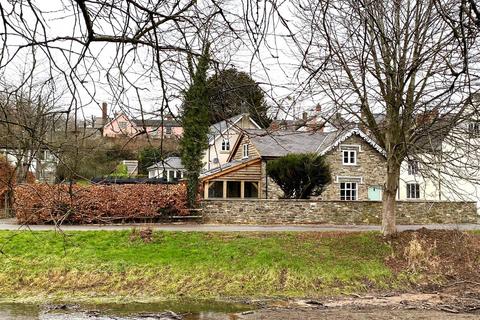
{"points": [[42, 203]]}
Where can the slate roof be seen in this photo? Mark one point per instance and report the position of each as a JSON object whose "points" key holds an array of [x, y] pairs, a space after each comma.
{"points": [[224, 166], [218, 128], [155, 123], [282, 143], [169, 163]]}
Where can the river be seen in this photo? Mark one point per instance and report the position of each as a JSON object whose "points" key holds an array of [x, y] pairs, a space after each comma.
{"points": [[212, 311]]}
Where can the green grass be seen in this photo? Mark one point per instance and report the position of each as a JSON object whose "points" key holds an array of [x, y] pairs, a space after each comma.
{"points": [[109, 265]]}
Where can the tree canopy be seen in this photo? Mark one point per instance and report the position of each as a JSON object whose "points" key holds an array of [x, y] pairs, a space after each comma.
{"points": [[300, 175], [232, 92]]}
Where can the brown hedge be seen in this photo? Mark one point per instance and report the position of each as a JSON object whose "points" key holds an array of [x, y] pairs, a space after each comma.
{"points": [[42, 203]]}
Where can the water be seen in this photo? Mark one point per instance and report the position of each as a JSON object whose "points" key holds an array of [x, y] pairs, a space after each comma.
{"points": [[213, 311], [210, 310]]}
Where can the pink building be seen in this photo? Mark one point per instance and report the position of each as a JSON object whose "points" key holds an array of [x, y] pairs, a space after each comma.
{"points": [[122, 126]]}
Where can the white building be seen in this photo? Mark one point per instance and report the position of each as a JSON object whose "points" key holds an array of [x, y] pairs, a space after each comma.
{"points": [[171, 169], [42, 163], [222, 137]]}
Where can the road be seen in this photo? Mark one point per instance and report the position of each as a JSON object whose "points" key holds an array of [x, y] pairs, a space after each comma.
{"points": [[10, 224]]}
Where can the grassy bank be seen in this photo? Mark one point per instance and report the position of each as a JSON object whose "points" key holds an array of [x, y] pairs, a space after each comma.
{"points": [[165, 265]]}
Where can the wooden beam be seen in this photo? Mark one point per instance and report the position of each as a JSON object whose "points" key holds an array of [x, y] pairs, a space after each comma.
{"points": [[206, 185]]}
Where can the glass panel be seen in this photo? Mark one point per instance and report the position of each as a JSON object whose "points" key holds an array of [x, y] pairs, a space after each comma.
{"points": [[250, 189], [171, 175], [233, 189], [216, 189]]}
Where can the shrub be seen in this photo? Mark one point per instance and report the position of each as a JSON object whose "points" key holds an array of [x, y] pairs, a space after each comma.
{"points": [[121, 171], [42, 203], [300, 175]]}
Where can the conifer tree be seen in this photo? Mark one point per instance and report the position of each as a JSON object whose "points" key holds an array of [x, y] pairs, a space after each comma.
{"points": [[195, 126]]}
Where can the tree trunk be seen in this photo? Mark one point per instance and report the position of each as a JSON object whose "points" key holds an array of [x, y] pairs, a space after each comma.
{"points": [[389, 197]]}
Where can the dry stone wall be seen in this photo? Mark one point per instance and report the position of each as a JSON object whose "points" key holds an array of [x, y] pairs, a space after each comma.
{"points": [[280, 211]]}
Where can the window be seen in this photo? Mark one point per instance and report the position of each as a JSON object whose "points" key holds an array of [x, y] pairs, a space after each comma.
{"points": [[168, 130], [233, 189], [250, 189], [412, 167], [179, 174], [474, 129], [413, 191], [122, 125], [349, 157], [171, 175], [225, 145], [348, 191], [245, 150], [215, 189]]}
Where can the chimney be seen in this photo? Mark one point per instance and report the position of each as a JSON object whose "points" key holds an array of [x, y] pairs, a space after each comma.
{"points": [[274, 125], [318, 108], [304, 116], [104, 112]]}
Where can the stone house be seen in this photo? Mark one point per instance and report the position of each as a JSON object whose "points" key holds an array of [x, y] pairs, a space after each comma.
{"points": [[357, 164]]}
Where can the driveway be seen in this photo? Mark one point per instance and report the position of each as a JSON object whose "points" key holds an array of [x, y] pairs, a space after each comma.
{"points": [[10, 224]]}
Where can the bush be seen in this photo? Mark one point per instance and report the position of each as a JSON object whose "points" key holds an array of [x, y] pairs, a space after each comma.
{"points": [[300, 175], [41, 203]]}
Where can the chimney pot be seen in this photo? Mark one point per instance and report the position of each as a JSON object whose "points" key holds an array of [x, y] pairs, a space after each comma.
{"points": [[104, 112], [318, 108]]}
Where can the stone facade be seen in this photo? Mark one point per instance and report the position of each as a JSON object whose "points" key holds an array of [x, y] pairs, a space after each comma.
{"points": [[370, 169], [268, 211]]}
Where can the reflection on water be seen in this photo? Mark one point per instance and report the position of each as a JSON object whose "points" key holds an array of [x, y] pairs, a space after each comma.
{"points": [[214, 311], [132, 311]]}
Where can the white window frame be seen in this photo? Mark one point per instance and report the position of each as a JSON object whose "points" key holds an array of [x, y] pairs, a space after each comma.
{"points": [[412, 167], [349, 154], [226, 144], [349, 186], [415, 191], [474, 129], [245, 152], [168, 130]]}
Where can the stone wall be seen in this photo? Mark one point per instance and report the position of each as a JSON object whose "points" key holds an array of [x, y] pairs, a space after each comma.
{"points": [[371, 169], [270, 211]]}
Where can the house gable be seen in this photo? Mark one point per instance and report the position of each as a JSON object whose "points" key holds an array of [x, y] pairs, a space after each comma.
{"points": [[237, 151], [368, 171], [342, 138], [236, 125]]}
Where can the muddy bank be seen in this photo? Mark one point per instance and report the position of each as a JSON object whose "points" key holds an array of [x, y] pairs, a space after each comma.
{"points": [[403, 306], [462, 302]]}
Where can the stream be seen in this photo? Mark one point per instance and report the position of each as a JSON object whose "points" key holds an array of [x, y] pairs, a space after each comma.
{"points": [[211, 311]]}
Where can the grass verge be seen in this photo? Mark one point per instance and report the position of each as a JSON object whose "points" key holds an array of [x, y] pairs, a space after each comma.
{"points": [[121, 265]]}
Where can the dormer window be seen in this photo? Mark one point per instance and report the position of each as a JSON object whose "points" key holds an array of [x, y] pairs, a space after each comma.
{"points": [[349, 157], [474, 129], [226, 145], [245, 150], [412, 167]]}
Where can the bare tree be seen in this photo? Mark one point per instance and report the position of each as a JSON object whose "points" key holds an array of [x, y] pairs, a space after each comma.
{"points": [[404, 68]]}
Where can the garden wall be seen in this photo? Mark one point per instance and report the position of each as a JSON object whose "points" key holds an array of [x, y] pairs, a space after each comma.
{"points": [[269, 211]]}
